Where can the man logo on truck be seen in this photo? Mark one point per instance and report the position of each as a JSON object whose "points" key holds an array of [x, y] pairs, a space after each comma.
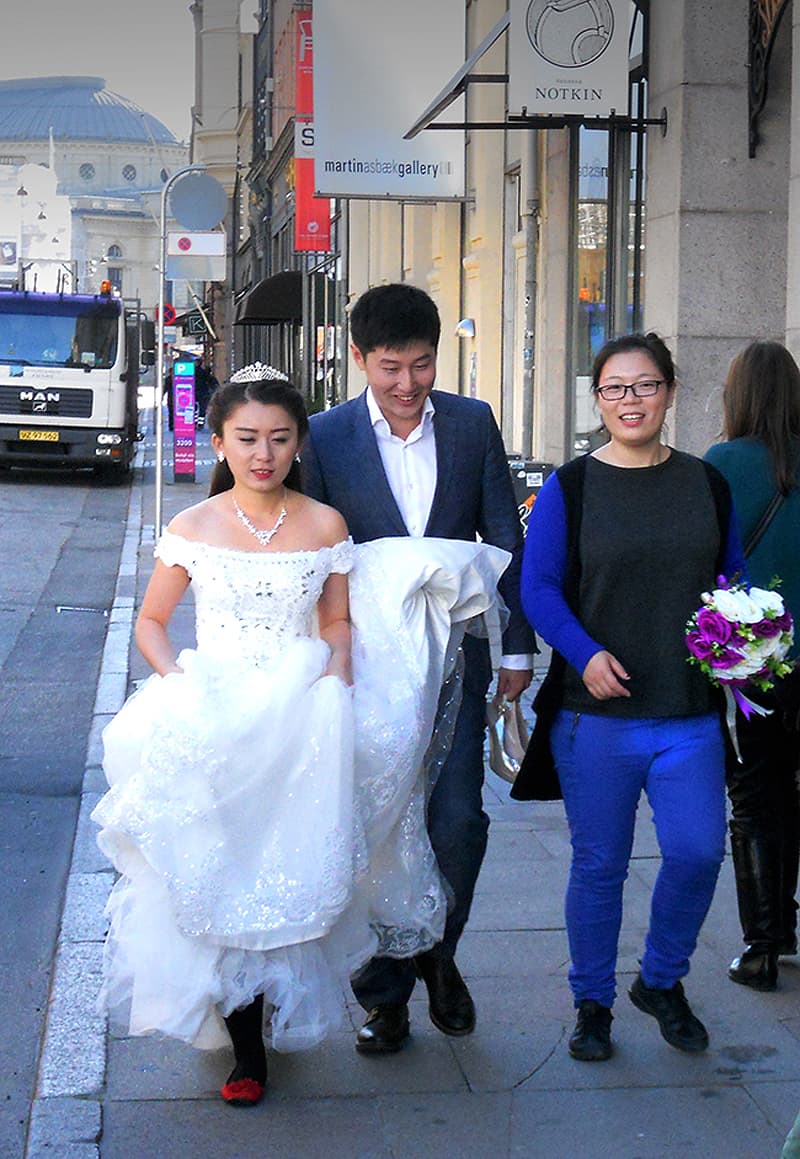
{"points": [[38, 397]]}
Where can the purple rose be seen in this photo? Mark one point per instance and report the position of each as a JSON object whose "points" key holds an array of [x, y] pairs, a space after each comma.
{"points": [[726, 658], [784, 621], [766, 629], [698, 645], [713, 627]]}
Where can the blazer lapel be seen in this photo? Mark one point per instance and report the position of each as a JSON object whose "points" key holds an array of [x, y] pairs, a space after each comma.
{"points": [[365, 458], [446, 459]]}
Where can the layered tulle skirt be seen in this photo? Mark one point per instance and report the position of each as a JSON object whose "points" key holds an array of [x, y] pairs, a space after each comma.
{"points": [[268, 823]]}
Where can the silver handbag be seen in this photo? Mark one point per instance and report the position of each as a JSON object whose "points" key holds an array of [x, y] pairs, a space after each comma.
{"points": [[508, 736]]}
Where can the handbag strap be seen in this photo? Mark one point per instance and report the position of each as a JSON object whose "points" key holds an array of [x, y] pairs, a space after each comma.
{"points": [[773, 507], [755, 536]]}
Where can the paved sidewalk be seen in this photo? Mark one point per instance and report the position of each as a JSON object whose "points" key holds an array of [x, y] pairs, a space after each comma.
{"points": [[510, 1089]]}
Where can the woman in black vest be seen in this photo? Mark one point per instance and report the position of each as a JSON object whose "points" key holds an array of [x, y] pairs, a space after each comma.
{"points": [[620, 546]]}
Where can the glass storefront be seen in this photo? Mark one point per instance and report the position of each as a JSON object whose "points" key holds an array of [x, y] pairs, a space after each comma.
{"points": [[609, 248]]}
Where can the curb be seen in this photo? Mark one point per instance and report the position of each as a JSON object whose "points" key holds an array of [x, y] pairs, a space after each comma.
{"points": [[66, 1116]]}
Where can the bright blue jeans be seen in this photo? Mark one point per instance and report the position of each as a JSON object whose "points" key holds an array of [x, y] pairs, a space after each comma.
{"points": [[603, 765]]}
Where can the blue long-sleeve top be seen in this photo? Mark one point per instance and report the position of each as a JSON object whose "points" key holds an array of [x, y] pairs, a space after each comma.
{"points": [[649, 538]]}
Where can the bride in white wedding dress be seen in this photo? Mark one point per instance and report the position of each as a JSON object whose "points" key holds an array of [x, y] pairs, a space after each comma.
{"points": [[266, 809]]}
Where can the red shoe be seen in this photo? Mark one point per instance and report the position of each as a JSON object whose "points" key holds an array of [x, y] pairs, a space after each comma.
{"points": [[242, 1092]]}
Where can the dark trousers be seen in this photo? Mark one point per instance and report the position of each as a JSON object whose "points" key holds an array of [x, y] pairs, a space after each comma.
{"points": [[458, 829], [765, 825]]}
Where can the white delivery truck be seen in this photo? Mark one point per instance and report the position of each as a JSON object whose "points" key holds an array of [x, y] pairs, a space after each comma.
{"points": [[69, 379]]}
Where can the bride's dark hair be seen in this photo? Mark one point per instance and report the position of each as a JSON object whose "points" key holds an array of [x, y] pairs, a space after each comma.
{"points": [[270, 392]]}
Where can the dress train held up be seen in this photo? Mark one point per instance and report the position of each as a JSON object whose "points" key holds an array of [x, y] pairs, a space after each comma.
{"points": [[268, 823]]}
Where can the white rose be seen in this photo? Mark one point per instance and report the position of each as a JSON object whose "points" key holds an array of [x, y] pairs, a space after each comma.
{"points": [[737, 607], [769, 601], [743, 669], [770, 646], [756, 657]]}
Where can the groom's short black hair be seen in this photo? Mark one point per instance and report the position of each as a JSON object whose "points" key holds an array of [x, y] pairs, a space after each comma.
{"points": [[394, 316]]}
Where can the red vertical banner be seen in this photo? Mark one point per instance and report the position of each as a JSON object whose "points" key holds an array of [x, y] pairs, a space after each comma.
{"points": [[312, 215], [304, 66]]}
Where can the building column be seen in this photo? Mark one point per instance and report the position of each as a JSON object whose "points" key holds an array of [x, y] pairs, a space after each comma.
{"points": [[793, 239], [553, 384], [716, 219]]}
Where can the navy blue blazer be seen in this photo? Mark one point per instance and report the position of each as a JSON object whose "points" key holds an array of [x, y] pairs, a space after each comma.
{"points": [[341, 466]]}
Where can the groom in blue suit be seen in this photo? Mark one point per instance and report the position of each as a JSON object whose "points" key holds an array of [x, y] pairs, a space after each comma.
{"points": [[403, 459]]}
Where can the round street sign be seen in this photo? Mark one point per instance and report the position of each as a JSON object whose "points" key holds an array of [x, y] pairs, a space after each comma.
{"points": [[170, 314], [198, 201]]}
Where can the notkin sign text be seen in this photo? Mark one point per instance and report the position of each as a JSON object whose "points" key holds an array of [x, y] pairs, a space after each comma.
{"points": [[553, 93]]}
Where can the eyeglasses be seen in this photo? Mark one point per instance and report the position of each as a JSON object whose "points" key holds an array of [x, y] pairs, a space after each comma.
{"points": [[617, 390]]}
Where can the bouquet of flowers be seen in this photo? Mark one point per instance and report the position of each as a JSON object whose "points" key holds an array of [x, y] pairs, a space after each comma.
{"points": [[741, 636]]}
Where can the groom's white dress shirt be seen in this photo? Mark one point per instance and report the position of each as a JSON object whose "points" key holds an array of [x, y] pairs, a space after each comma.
{"points": [[410, 468]]}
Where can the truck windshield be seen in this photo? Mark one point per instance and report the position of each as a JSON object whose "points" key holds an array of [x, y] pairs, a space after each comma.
{"points": [[58, 332]]}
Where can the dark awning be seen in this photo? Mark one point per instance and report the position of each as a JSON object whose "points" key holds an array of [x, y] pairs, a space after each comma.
{"points": [[279, 298]]}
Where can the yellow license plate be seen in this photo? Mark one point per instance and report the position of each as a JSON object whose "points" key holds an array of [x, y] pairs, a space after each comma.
{"points": [[39, 436]]}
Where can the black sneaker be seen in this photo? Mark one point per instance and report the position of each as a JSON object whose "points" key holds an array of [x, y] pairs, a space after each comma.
{"points": [[591, 1038], [677, 1024]]}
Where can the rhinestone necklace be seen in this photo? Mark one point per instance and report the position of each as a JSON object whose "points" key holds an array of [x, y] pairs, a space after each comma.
{"points": [[263, 537]]}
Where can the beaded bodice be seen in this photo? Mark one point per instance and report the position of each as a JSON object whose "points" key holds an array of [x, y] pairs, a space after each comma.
{"points": [[249, 603]]}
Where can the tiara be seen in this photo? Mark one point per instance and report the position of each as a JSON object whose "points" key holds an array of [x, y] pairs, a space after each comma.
{"points": [[258, 372]]}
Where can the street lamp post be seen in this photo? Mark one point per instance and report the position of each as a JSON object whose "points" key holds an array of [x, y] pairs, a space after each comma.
{"points": [[162, 273]]}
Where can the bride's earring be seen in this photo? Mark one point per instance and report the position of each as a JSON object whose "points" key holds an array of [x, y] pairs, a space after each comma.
{"points": [[220, 457], [297, 458]]}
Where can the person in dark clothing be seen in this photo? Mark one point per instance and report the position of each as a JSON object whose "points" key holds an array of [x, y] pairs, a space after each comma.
{"points": [[205, 383], [761, 457], [169, 396], [404, 459]]}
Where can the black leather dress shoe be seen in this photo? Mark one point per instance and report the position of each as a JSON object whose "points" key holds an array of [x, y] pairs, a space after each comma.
{"points": [[449, 1001], [756, 968], [385, 1030]]}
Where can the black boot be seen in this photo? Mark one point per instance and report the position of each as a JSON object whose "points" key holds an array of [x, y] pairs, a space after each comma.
{"points": [[756, 968], [757, 867], [765, 839], [245, 1084]]}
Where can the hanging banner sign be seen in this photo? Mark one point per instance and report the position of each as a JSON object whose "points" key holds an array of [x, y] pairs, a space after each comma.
{"points": [[569, 57], [373, 72], [312, 215], [304, 65]]}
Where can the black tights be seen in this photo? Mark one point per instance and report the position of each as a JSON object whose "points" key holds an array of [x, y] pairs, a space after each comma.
{"points": [[245, 1029]]}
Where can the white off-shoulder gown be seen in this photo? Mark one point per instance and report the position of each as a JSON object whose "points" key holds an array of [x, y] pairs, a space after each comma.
{"points": [[267, 822]]}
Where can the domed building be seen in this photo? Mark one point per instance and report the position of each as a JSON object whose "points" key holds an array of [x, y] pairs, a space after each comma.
{"points": [[104, 154]]}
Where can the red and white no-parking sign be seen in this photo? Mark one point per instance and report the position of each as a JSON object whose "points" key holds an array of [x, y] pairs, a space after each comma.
{"points": [[170, 314]]}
